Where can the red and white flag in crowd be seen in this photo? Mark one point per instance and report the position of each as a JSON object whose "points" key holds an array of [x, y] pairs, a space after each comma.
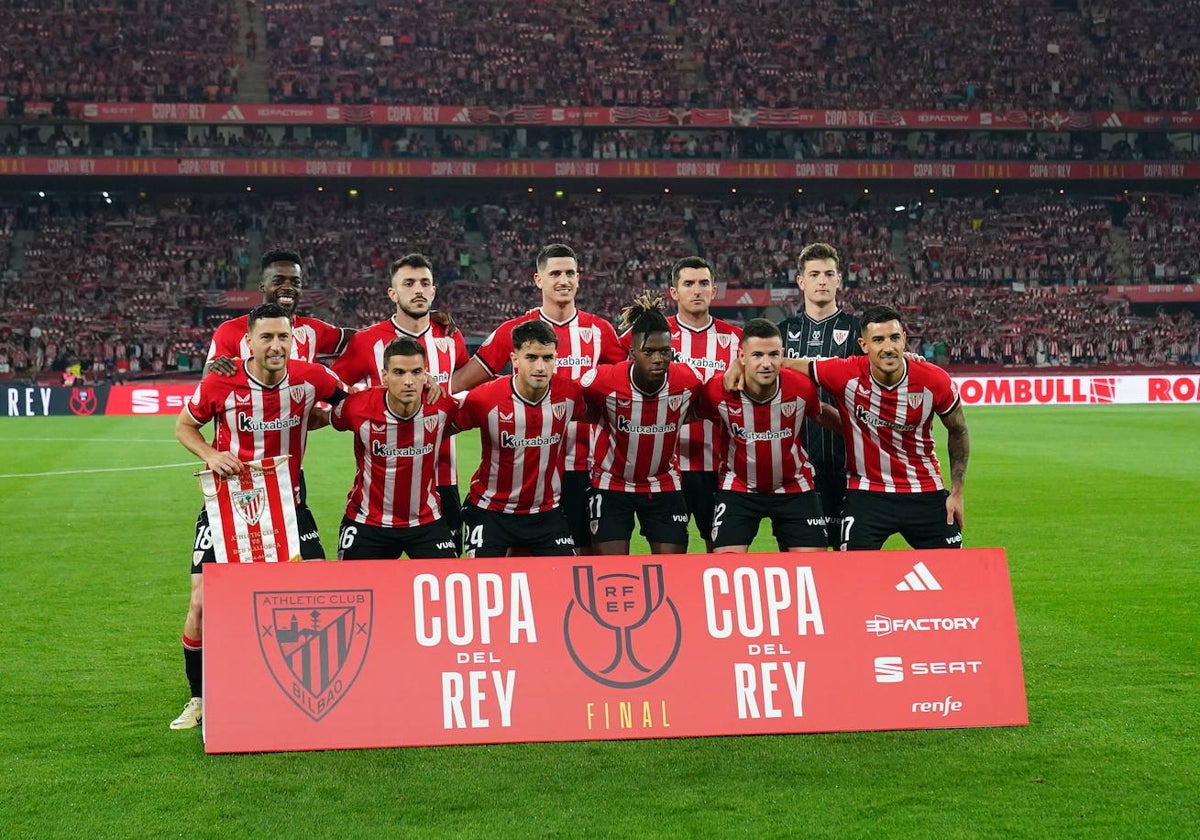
{"points": [[252, 515]]}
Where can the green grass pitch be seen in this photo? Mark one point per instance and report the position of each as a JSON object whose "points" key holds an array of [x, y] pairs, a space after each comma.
{"points": [[1097, 507]]}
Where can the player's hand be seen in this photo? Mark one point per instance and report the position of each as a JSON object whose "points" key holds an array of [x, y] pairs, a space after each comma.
{"points": [[318, 419], [954, 509], [914, 357], [433, 391], [222, 365], [443, 319], [224, 463], [735, 376]]}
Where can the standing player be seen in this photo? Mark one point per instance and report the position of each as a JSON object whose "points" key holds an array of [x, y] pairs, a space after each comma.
{"points": [[412, 289], [765, 472], [282, 283], [513, 504], [822, 330], [584, 341], [392, 508], [262, 411], [887, 406], [643, 403]]}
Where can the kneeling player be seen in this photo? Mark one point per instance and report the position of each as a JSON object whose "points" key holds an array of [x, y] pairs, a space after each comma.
{"points": [[765, 473], [393, 508], [513, 505]]}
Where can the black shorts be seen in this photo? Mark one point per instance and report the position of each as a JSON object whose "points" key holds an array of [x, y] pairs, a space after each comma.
{"points": [[451, 503], [869, 518], [310, 539], [796, 519], [576, 487], [357, 541], [663, 516], [700, 493], [492, 534], [831, 487]]}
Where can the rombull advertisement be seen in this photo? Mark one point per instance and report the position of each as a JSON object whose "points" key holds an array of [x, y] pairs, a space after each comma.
{"points": [[391, 653]]}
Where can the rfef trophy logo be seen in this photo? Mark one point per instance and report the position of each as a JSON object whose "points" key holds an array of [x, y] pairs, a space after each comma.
{"points": [[621, 629], [314, 643], [83, 402]]}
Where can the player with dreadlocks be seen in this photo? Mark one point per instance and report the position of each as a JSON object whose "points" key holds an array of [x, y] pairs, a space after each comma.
{"points": [[642, 404]]}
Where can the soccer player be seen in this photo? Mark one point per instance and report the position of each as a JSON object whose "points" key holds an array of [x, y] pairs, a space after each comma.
{"points": [[822, 330], [765, 472], [512, 505], [282, 283], [887, 406], [263, 410], [392, 508], [643, 403], [584, 341], [412, 290]]}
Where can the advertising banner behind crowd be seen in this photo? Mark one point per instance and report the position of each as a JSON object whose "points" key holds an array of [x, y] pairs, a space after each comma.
{"points": [[402, 653]]}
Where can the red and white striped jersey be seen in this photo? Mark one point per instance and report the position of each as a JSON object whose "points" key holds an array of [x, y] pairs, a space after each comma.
{"points": [[764, 451], [584, 342], [638, 434], [256, 421], [311, 337], [520, 468], [396, 459], [708, 352], [362, 361], [888, 430]]}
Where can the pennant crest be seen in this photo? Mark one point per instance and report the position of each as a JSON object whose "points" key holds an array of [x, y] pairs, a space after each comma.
{"points": [[431, 424], [723, 340], [840, 336], [297, 392], [249, 504], [916, 400], [585, 335], [560, 410], [314, 643], [675, 402], [788, 409]]}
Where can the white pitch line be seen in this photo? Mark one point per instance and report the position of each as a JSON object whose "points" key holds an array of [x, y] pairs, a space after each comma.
{"points": [[93, 440], [105, 470]]}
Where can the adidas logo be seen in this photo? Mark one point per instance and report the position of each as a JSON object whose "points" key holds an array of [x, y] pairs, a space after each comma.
{"points": [[920, 579], [1112, 121], [234, 114]]}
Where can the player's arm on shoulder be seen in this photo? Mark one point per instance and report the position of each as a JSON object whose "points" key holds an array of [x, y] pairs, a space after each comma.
{"points": [[830, 418], [187, 432], [958, 446], [221, 365]]}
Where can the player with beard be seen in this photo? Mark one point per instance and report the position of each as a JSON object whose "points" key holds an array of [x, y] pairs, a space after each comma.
{"points": [[584, 341], [643, 403], [822, 330], [887, 404], [263, 410], [513, 505], [391, 508], [412, 290], [282, 283], [765, 473]]}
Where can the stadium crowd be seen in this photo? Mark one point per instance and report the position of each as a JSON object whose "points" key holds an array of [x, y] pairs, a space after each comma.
{"points": [[1012, 279]]}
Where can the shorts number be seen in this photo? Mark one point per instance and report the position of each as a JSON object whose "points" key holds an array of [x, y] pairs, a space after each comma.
{"points": [[203, 539], [718, 515], [847, 525], [475, 536], [349, 533], [594, 502]]}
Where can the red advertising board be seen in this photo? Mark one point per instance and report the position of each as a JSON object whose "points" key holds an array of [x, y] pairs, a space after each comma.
{"points": [[404, 653], [821, 170]]}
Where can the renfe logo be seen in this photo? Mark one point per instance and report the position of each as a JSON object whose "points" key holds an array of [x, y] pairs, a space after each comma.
{"points": [[938, 707]]}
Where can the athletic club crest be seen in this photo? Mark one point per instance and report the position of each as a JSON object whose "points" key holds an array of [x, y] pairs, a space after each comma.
{"points": [[442, 344], [560, 410], [723, 340], [297, 392], [431, 423], [915, 400], [788, 409], [585, 335], [314, 643], [675, 402], [840, 336], [249, 504], [621, 629]]}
